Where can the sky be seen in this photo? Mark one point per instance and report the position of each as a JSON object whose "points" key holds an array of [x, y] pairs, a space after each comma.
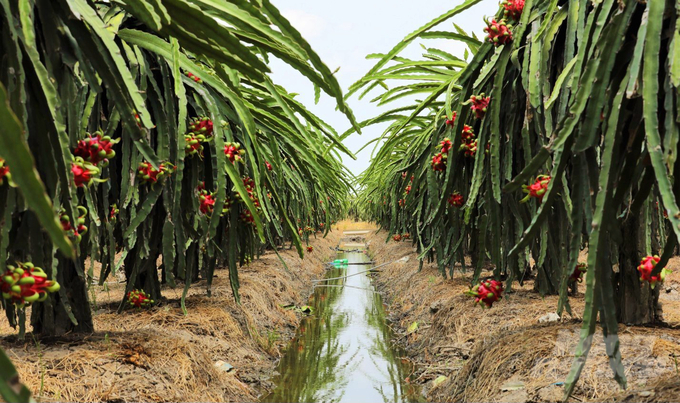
{"points": [[343, 32]]}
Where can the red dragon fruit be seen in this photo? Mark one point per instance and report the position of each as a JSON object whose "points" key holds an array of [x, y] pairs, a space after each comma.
{"points": [[579, 271], [536, 189], [84, 172], [469, 148], [150, 175], [268, 165], [513, 9], [646, 268], [405, 235], [403, 175], [446, 145], [113, 213], [194, 144], [25, 284], [396, 238], [408, 189], [467, 134], [498, 33], [456, 200], [202, 125], [4, 173], [452, 121], [75, 232], [487, 292], [310, 249], [139, 299], [402, 202], [480, 104], [439, 162], [193, 77], [96, 148], [234, 152]]}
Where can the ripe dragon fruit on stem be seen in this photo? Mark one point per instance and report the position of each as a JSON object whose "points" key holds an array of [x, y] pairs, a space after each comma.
{"points": [[84, 172], [537, 189], [646, 268], [25, 284], [446, 145], [456, 200], [479, 104], [486, 293], [114, 213], [498, 33], [513, 9], [80, 229], [439, 162], [96, 148], [194, 144], [4, 173], [202, 125], [150, 175], [452, 121], [138, 299], [234, 152], [467, 134], [579, 271], [193, 77]]}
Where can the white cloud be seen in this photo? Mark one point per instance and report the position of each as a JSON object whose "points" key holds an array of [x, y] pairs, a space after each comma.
{"points": [[309, 25]]}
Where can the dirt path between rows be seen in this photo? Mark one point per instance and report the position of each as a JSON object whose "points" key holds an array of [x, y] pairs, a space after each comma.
{"points": [[519, 350], [162, 355]]}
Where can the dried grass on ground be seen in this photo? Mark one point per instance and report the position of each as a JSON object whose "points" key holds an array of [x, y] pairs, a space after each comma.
{"points": [[510, 353], [162, 355]]}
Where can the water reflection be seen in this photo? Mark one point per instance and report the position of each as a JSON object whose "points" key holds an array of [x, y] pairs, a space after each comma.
{"points": [[343, 352]]}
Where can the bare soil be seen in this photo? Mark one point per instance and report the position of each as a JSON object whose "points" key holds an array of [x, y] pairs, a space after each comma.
{"points": [[161, 355], [519, 350]]}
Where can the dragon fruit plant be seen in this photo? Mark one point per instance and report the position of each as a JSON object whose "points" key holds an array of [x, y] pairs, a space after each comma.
{"points": [[25, 284], [486, 292]]}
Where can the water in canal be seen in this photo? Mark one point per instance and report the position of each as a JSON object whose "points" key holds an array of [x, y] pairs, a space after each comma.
{"points": [[343, 353]]}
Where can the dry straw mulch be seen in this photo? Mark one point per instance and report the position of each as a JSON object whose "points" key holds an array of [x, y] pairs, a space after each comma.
{"points": [[510, 353], [162, 355]]}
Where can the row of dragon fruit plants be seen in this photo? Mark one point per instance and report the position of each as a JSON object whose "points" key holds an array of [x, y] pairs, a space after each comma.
{"points": [[572, 103], [155, 155]]}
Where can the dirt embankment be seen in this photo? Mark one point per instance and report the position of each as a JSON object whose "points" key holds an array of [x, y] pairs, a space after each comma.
{"points": [[519, 350], [162, 355]]}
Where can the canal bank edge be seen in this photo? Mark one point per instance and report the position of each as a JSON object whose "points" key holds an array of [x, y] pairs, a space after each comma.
{"points": [[519, 350], [219, 352]]}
